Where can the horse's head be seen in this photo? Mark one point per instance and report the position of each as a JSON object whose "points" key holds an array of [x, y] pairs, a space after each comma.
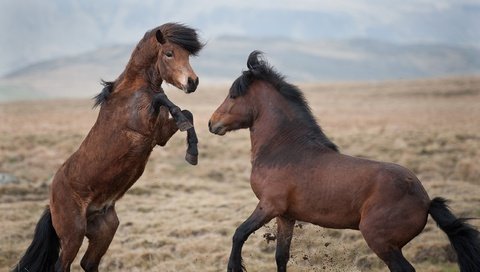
{"points": [[238, 109], [177, 42], [234, 113]]}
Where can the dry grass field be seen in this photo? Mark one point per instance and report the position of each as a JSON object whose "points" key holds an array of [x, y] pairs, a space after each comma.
{"points": [[179, 217]]}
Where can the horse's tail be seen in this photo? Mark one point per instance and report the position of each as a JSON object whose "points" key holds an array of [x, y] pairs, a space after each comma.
{"points": [[464, 238], [43, 252]]}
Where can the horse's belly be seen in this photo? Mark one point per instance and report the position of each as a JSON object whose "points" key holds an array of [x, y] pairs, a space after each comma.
{"points": [[327, 209], [329, 219], [121, 181], [335, 222], [109, 180]]}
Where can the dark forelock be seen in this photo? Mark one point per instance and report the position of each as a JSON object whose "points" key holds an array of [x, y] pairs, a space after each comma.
{"points": [[182, 35]]}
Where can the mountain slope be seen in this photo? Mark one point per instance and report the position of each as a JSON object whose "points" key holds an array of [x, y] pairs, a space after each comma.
{"points": [[223, 59]]}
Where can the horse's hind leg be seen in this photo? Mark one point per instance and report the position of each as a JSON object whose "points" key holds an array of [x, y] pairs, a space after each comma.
{"points": [[284, 238], [396, 262], [100, 232], [387, 247], [70, 224], [386, 238]]}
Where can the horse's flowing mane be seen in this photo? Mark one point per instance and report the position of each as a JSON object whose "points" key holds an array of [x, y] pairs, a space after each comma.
{"points": [[260, 69], [103, 95]]}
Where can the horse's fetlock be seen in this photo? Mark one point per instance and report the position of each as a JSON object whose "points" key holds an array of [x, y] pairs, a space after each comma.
{"points": [[188, 115]]}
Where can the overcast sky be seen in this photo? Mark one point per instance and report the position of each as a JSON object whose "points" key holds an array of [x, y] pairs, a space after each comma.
{"points": [[34, 30]]}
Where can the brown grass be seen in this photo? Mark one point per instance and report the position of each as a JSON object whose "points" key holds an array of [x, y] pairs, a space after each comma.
{"points": [[181, 218]]}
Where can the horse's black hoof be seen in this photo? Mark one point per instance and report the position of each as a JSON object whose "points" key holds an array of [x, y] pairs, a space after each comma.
{"points": [[184, 125], [191, 159]]}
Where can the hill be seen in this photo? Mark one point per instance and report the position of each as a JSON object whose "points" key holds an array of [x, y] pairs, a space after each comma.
{"points": [[224, 58]]}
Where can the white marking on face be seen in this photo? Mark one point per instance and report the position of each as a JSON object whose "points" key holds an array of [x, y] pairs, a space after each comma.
{"points": [[183, 81]]}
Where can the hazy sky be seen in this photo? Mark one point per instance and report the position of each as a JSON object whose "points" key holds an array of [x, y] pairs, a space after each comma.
{"points": [[34, 30]]}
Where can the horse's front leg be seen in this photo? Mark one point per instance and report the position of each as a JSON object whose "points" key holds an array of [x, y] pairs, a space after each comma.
{"points": [[181, 120], [192, 141], [169, 128], [263, 214]]}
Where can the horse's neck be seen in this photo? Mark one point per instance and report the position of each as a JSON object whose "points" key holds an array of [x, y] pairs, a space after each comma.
{"points": [[140, 70], [276, 127], [134, 82]]}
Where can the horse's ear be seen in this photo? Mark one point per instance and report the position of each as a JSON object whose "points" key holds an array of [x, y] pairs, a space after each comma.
{"points": [[160, 37]]}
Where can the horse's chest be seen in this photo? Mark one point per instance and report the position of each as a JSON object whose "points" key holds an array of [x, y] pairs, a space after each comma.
{"points": [[162, 117], [262, 180]]}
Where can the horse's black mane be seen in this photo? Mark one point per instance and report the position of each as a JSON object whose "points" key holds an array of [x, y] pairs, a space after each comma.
{"points": [[104, 94], [182, 35], [259, 69]]}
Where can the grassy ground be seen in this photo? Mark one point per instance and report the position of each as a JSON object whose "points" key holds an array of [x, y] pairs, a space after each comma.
{"points": [[181, 218]]}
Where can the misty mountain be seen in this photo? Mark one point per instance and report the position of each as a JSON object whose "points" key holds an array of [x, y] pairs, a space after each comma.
{"points": [[224, 58], [33, 31]]}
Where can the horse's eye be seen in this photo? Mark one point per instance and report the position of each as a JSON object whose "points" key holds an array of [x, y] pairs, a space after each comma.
{"points": [[169, 54]]}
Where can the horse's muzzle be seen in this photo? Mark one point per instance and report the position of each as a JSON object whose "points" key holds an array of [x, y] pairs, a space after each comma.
{"points": [[216, 128], [192, 84]]}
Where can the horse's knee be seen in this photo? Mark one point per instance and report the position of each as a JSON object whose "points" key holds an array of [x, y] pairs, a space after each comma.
{"points": [[188, 115], [158, 100], [239, 236], [236, 238]]}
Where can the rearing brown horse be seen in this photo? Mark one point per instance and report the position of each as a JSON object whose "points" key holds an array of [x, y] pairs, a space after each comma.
{"points": [[133, 119], [298, 174]]}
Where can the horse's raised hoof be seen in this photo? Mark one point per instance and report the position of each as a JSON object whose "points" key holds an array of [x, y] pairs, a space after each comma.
{"points": [[191, 159], [184, 125]]}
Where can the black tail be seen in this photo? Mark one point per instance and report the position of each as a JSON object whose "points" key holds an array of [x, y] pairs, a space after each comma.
{"points": [[42, 254], [464, 238]]}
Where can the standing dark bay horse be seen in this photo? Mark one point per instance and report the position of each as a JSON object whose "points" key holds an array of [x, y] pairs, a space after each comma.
{"points": [[133, 119], [298, 174]]}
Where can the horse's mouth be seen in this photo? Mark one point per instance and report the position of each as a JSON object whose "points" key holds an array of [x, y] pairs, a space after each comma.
{"points": [[187, 89], [220, 131], [217, 129]]}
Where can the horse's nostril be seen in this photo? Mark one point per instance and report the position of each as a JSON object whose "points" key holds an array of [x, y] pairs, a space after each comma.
{"points": [[192, 82], [209, 125], [191, 85]]}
